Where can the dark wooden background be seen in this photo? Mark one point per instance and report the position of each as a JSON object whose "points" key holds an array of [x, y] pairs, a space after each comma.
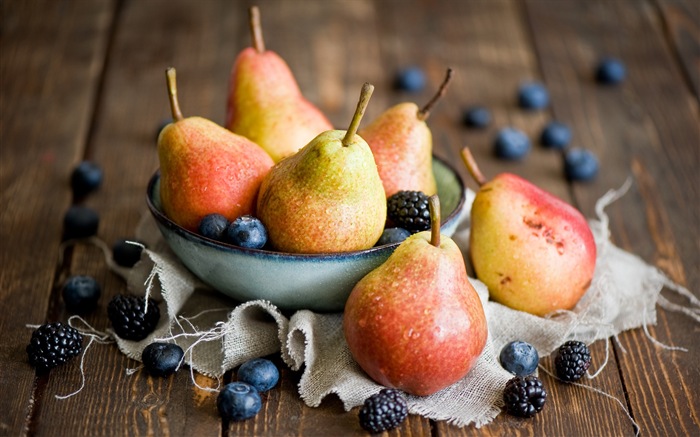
{"points": [[84, 80]]}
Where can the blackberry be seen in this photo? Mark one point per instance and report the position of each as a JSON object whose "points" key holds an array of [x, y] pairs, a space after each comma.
{"points": [[409, 210], [129, 320], [524, 396], [572, 360], [53, 344], [383, 411]]}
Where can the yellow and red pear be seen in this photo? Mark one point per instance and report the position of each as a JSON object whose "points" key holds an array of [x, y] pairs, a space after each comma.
{"points": [[205, 168], [535, 252], [402, 144], [415, 322], [265, 103]]}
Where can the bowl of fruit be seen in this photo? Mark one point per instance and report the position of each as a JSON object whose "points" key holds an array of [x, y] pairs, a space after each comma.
{"points": [[291, 281]]}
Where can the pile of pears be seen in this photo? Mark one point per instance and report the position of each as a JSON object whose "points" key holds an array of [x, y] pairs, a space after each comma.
{"points": [[415, 322]]}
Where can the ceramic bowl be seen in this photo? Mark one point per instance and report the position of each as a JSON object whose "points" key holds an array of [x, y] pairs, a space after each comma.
{"points": [[318, 282]]}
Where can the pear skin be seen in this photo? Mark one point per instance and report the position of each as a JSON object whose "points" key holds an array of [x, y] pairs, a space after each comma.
{"points": [[327, 197], [205, 169], [535, 252], [265, 103], [402, 144], [415, 322]]}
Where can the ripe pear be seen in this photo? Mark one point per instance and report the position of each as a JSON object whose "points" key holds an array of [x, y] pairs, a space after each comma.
{"points": [[265, 103], [402, 144], [534, 252], [328, 196], [205, 168], [415, 322]]}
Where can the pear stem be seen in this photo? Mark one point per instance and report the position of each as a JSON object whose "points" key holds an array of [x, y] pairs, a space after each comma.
{"points": [[434, 207], [424, 113], [470, 162], [365, 95], [256, 29], [172, 94]]}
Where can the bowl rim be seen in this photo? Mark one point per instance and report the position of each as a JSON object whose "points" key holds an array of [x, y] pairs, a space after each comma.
{"points": [[168, 223]]}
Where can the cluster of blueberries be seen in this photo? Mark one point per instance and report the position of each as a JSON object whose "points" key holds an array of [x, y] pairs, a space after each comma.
{"points": [[512, 144]]}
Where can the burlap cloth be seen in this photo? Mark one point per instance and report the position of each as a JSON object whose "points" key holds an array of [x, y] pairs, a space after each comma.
{"points": [[218, 333]]}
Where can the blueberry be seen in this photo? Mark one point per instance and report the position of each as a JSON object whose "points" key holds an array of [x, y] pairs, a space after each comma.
{"points": [[247, 231], [81, 293], [238, 401], [610, 71], [556, 135], [162, 359], [411, 79], [127, 253], [477, 116], [393, 235], [511, 144], [260, 373], [580, 165], [213, 226], [80, 222], [519, 358], [85, 178], [533, 95]]}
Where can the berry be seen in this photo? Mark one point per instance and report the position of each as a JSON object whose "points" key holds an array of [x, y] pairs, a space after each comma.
{"points": [[556, 135], [213, 226], [409, 210], [580, 165], [393, 235], [238, 401], [533, 95], [85, 178], [129, 318], [610, 71], [572, 360], [383, 411], [477, 116], [519, 358], [53, 344], [524, 396], [80, 222], [81, 293], [247, 231], [411, 79], [127, 253], [260, 373], [511, 144], [162, 359]]}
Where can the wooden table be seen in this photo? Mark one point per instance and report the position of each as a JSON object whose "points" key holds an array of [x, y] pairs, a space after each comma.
{"points": [[84, 80]]}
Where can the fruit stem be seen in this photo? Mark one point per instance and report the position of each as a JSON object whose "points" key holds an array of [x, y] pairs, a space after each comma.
{"points": [[424, 113], [365, 94], [434, 208], [470, 162], [172, 94], [256, 29]]}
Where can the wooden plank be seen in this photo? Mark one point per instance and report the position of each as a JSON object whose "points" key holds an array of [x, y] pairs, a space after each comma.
{"points": [[681, 23], [50, 68], [630, 128]]}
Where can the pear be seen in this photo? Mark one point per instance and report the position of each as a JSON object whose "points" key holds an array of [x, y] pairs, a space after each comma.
{"points": [[402, 144], [328, 196], [534, 252], [205, 168], [265, 103], [416, 323]]}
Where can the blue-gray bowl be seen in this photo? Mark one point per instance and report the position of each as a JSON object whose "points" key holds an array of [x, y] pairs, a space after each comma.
{"points": [[317, 282]]}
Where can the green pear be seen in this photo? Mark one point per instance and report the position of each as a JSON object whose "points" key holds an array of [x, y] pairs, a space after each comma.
{"points": [[205, 168], [415, 322], [265, 103], [535, 252], [402, 144], [328, 196]]}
